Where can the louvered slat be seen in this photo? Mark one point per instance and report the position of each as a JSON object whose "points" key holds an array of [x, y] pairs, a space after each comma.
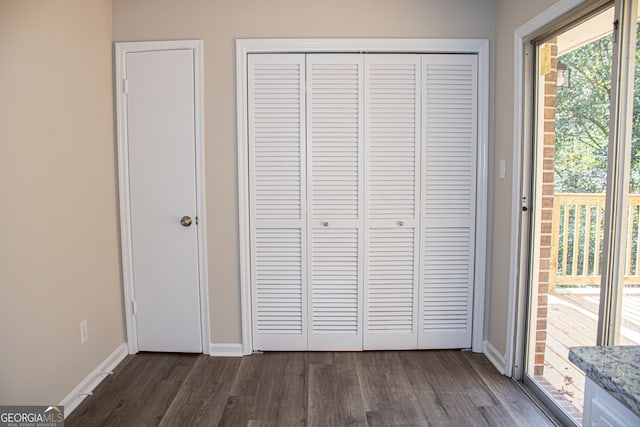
{"points": [[392, 95], [278, 283], [334, 144], [334, 135], [276, 124], [277, 187], [449, 186], [448, 265], [335, 277], [390, 281], [450, 128], [392, 135]]}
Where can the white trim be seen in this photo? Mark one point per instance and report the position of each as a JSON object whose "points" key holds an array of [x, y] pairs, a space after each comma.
{"points": [[479, 296], [496, 358], [246, 46], [243, 198], [198, 57], [474, 46], [520, 35], [121, 49], [91, 381], [226, 349]]}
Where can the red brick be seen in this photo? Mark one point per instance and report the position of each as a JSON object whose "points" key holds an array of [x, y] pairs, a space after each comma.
{"points": [[549, 126], [550, 148], [545, 240], [544, 264]]}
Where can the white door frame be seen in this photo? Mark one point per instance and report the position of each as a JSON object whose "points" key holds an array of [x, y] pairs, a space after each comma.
{"points": [[516, 308], [121, 50], [244, 47]]}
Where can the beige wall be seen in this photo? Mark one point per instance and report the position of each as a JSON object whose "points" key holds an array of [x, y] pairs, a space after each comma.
{"points": [[219, 23], [58, 223], [510, 14], [59, 261]]}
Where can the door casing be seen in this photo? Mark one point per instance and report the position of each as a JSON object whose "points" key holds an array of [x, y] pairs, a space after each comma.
{"points": [[480, 47], [121, 50]]}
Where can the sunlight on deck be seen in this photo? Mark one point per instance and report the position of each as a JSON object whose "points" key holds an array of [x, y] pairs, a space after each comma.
{"points": [[572, 322]]}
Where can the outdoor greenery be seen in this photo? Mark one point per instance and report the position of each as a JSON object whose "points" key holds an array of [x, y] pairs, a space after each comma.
{"points": [[582, 120], [582, 138]]}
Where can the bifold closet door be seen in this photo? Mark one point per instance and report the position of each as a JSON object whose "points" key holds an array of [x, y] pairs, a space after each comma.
{"points": [[450, 134], [335, 188], [278, 201], [362, 200], [392, 135]]}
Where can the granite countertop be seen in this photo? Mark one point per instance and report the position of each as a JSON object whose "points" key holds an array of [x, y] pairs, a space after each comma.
{"points": [[616, 369]]}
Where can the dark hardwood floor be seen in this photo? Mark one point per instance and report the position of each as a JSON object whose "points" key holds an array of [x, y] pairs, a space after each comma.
{"points": [[386, 388]]}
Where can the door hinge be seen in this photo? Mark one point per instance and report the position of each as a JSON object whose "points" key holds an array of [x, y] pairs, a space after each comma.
{"points": [[125, 86], [134, 307]]}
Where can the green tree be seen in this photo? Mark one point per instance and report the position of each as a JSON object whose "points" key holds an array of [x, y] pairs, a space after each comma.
{"points": [[582, 120]]}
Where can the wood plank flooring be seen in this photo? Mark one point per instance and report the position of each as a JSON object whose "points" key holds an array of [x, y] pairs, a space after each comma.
{"points": [[386, 388]]}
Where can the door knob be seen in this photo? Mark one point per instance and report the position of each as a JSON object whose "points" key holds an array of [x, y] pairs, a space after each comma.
{"points": [[186, 221]]}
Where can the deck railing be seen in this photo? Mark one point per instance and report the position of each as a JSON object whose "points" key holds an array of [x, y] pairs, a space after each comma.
{"points": [[576, 240]]}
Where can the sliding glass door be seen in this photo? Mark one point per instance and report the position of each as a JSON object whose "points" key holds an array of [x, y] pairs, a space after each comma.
{"points": [[629, 322], [584, 281]]}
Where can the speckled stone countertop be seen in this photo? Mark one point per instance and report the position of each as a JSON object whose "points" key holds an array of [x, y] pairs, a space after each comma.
{"points": [[616, 369]]}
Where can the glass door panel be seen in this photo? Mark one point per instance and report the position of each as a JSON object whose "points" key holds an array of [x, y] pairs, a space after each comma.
{"points": [[629, 316], [572, 139]]}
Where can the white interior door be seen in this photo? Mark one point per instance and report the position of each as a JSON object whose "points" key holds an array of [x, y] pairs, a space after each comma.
{"points": [[278, 193], [335, 202], [162, 189], [449, 162], [362, 186], [392, 146]]}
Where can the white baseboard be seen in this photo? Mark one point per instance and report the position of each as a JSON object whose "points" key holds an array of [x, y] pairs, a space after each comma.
{"points": [[225, 350], [86, 386], [495, 357]]}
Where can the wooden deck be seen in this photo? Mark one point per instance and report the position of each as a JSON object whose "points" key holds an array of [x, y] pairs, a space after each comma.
{"points": [[572, 321]]}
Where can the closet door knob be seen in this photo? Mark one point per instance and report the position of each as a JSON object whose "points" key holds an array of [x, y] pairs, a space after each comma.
{"points": [[325, 224], [186, 221], [400, 223]]}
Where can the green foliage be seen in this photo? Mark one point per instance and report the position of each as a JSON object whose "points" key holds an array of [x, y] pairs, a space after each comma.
{"points": [[582, 120]]}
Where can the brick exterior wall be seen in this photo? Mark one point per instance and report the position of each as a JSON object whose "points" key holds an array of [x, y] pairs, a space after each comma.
{"points": [[548, 161]]}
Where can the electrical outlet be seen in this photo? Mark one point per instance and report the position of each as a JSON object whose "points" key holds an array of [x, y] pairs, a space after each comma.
{"points": [[84, 333]]}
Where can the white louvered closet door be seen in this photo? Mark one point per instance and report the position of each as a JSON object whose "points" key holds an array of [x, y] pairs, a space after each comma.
{"points": [[449, 199], [278, 201], [334, 167], [392, 135]]}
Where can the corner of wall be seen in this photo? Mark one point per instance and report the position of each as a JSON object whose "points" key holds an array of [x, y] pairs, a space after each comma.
{"points": [[91, 381], [495, 357]]}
